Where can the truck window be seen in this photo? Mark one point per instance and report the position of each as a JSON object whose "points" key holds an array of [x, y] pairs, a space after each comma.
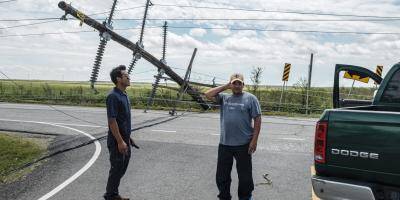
{"points": [[392, 92]]}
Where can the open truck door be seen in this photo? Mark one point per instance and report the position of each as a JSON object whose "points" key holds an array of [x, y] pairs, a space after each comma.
{"points": [[359, 72]]}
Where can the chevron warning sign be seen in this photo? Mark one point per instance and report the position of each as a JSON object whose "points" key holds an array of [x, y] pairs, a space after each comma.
{"points": [[286, 72], [379, 70], [355, 76]]}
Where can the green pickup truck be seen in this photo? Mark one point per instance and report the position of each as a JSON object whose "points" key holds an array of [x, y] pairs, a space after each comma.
{"points": [[357, 144]]}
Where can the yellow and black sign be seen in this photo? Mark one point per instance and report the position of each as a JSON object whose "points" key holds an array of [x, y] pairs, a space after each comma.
{"points": [[379, 70], [356, 76], [286, 72]]}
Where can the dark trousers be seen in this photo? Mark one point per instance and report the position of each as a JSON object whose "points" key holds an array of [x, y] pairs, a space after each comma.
{"points": [[243, 167], [119, 164]]}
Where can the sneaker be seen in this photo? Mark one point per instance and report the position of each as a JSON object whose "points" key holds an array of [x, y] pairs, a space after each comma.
{"points": [[119, 198]]}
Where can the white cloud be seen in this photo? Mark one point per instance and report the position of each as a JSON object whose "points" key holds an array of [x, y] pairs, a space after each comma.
{"points": [[222, 52], [221, 32], [197, 32]]}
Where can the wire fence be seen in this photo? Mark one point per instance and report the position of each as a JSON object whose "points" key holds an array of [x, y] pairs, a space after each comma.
{"points": [[293, 101]]}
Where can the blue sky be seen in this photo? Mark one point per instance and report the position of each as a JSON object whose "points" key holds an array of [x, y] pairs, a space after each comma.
{"points": [[221, 51]]}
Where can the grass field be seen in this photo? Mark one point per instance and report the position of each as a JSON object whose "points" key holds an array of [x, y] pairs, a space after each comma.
{"points": [[15, 152], [80, 93]]}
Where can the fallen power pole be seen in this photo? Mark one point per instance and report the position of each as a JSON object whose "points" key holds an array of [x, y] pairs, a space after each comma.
{"points": [[135, 48], [160, 72]]}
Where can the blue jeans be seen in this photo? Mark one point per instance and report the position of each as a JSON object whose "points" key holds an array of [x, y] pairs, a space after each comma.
{"points": [[226, 154]]}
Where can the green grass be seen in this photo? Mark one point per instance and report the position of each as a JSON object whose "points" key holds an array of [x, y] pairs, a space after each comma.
{"points": [[15, 152], [80, 93]]}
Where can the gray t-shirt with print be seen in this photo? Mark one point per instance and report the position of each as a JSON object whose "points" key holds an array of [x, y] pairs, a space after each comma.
{"points": [[237, 112]]}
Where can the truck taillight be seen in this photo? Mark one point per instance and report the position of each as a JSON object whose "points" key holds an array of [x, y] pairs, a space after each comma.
{"points": [[320, 141]]}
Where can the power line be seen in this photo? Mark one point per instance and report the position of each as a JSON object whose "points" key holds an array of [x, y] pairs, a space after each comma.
{"points": [[60, 33], [28, 19], [224, 28], [219, 19], [260, 19], [377, 17], [143, 72], [189, 19], [22, 25], [53, 19], [274, 11], [200, 73], [7, 1], [286, 30], [42, 34], [124, 9]]}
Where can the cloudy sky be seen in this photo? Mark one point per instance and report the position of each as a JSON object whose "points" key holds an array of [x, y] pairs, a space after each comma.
{"points": [[231, 36]]}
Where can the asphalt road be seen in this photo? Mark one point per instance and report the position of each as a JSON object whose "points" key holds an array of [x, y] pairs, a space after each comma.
{"points": [[177, 158]]}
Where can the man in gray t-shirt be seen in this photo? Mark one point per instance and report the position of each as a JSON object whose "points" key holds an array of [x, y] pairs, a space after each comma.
{"points": [[238, 137]]}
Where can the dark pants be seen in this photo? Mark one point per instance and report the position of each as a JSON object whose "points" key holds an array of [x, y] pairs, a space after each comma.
{"points": [[119, 164], [243, 167]]}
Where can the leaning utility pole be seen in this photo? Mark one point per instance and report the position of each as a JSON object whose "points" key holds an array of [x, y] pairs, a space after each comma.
{"points": [[185, 84], [132, 46], [136, 56], [104, 38], [160, 72]]}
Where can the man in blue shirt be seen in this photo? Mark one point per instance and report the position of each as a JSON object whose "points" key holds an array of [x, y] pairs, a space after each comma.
{"points": [[119, 124], [238, 138]]}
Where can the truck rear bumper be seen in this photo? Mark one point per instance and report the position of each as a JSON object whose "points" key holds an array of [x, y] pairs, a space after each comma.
{"points": [[332, 188]]}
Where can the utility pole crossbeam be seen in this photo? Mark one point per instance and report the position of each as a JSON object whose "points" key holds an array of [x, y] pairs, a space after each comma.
{"points": [[132, 46], [185, 84]]}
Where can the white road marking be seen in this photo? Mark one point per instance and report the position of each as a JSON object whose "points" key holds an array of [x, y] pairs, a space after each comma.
{"points": [[78, 173], [165, 131], [53, 123], [295, 139], [83, 125], [215, 134], [44, 107]]}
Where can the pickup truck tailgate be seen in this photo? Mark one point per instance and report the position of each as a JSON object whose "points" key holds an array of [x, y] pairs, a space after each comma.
{"points": [[364, 145]]}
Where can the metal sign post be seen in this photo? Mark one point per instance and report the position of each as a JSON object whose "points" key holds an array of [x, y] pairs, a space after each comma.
{"points": [[309, 82], [351, 89]]}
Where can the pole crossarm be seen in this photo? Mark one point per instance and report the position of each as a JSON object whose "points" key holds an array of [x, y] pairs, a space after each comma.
{"points": [[191, 82], [132, 46]]}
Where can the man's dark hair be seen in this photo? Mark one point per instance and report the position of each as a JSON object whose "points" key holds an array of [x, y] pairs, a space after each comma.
{"points": [[116, 72]]}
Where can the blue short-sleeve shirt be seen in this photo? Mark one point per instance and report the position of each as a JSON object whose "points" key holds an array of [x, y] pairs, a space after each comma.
{"points": [[237, 112], [118, 107]]}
